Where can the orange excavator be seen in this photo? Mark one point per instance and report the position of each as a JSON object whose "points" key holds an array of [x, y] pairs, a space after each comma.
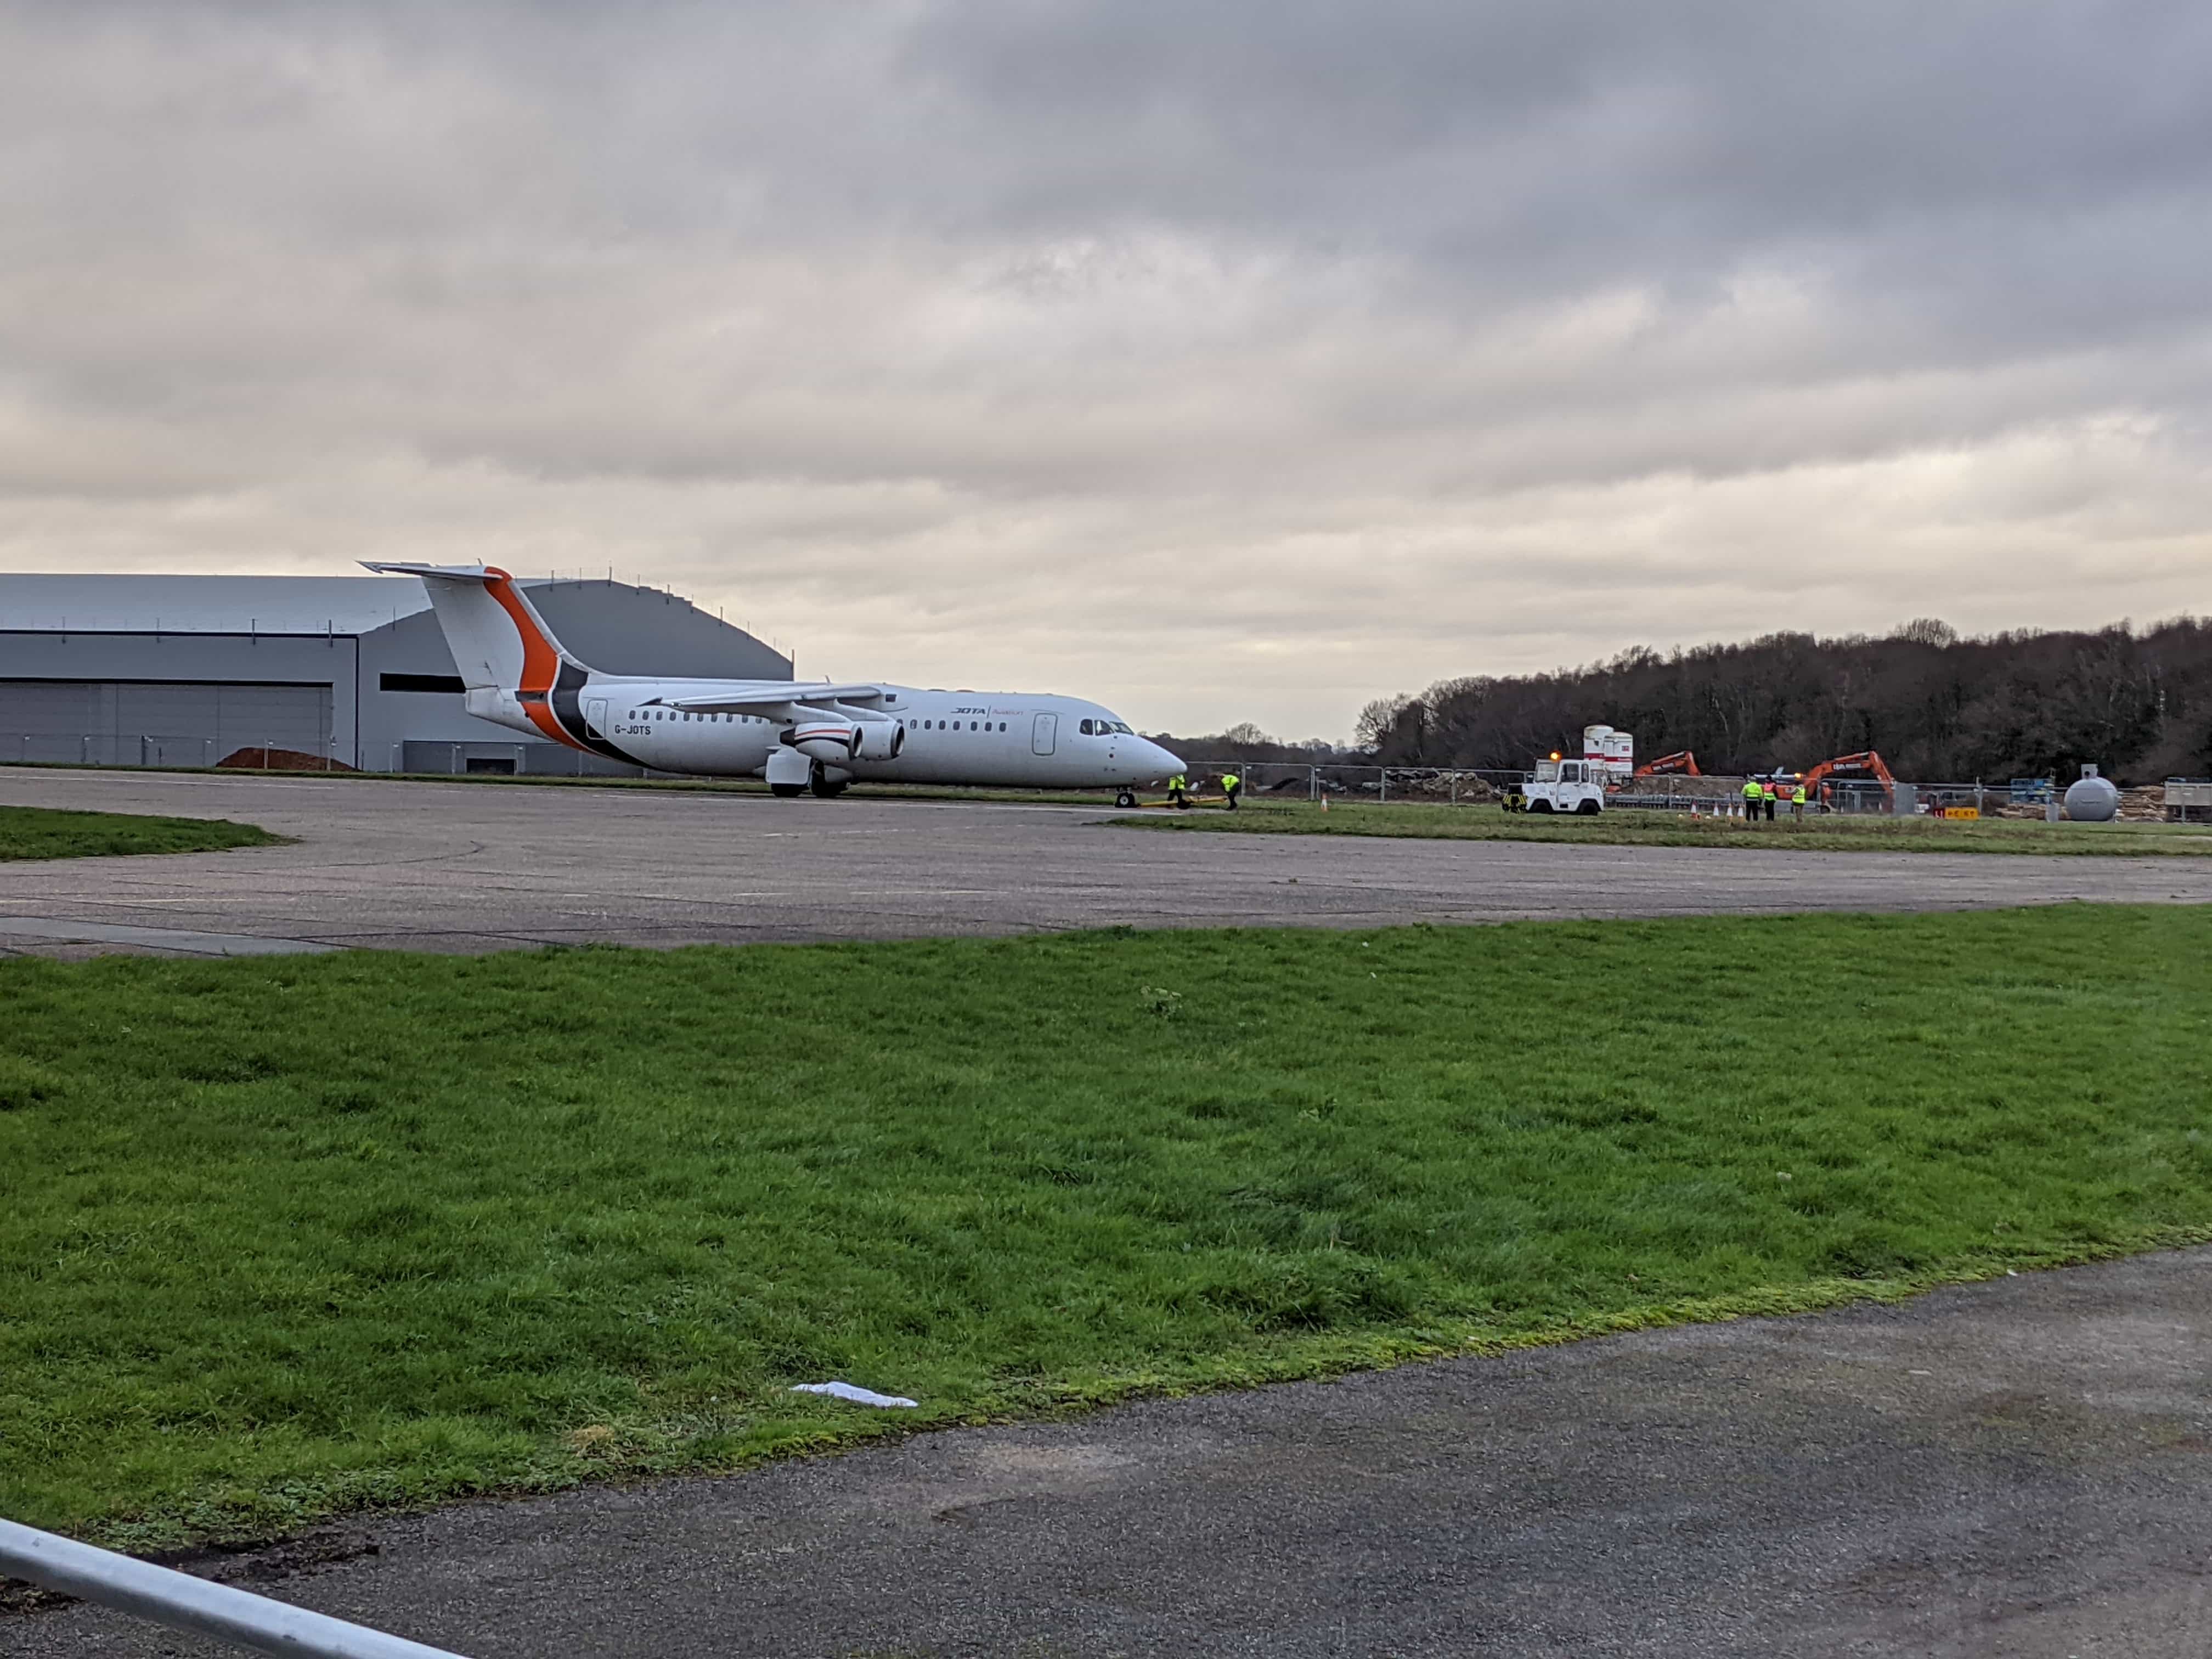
{"points": [[1683, 761], [1867, 764]]}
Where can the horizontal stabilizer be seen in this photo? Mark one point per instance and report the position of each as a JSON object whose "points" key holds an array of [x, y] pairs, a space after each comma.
{"points": [[467, 573]]}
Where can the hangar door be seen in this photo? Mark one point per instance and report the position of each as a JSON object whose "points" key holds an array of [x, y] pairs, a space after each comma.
{"points": [[158, 723]]}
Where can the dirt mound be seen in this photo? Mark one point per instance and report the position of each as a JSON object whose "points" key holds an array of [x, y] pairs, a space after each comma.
{"points": [[1406, 784], [282, 760], [1682, 787]]}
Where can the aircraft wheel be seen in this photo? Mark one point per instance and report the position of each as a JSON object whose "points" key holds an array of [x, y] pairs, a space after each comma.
{"points": [[1127, 798], [826, 790], [786, 791]]}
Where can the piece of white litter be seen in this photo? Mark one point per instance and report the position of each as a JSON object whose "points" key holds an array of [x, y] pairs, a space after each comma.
{"points": [[858, 1396]]}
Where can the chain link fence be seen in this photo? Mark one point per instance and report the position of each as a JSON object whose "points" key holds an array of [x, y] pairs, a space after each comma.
{"points": [[2185, 800], [1713, 796], [143, 748], [283, 752]]}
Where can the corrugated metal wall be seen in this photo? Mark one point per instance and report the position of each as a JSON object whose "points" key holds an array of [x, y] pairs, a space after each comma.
{"points": [[160, 723]]}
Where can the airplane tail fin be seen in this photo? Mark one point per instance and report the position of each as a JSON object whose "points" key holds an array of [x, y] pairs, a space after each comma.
{"points": [[498, 640]]}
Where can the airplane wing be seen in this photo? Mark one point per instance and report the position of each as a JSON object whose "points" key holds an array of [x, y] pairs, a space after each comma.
{"points": [[798, 694]]}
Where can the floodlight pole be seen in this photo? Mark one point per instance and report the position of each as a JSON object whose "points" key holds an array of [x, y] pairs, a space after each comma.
{"points": [[183, 1602]]}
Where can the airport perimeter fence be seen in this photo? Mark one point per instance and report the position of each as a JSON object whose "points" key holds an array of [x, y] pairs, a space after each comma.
{"points": [[292, 751], [2185, 799], [1475, 785], [118, 748], [1304, 780], [1718, 796]]}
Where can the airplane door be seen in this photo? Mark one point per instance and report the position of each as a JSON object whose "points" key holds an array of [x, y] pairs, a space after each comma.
{"points": [[595, 719], [1043, 734]]}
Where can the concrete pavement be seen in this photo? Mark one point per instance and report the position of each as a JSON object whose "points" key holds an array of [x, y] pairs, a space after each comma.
{"points": [[468, 867], [2022, 1468]]}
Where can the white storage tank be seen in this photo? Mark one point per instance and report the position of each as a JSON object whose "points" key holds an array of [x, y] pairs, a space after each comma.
{"points": [[1620, 756], [2091, 799], [1613, 749]]}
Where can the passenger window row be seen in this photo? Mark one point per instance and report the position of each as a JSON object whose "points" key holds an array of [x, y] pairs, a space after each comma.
{"points": [[759, 719]]}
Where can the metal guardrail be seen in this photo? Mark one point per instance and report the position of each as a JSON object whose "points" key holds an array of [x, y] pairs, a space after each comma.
{"points": [[183, 1602]]}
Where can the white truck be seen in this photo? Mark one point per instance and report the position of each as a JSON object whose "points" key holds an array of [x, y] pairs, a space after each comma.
{"points": [[1562, 786]]}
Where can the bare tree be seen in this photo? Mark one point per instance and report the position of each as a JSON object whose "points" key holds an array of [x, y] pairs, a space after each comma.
{"points": [[1377, 721], [1938, 707]]}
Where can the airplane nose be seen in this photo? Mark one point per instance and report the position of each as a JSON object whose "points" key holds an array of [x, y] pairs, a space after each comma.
{"points": [[1161, 764]]}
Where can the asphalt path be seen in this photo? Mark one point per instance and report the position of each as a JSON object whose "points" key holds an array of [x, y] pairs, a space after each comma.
{"points": [[469, 867], [2022, 1468]]}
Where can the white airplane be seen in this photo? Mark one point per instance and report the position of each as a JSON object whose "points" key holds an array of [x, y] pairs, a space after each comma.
{"points": [[800, 735]]}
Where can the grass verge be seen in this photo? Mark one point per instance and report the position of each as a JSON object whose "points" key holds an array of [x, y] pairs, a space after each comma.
{"points": [[283, 1237], [1633, 827], [39, 832]]}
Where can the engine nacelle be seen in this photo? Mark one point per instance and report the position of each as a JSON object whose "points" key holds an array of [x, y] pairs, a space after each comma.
{"points": [[837, 741], [878, 740]]}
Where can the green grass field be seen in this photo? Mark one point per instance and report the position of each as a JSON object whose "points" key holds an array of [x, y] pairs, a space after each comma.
{"points": [[1629, 827], [280, 1237], [39, 832]]}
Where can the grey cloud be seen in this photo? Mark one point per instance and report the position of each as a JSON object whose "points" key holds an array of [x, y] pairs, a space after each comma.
{"points": [[1364, 338]]}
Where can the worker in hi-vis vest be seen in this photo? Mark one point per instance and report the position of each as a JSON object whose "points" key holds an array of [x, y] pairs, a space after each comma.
{"points": [[1752, 796], [1232, 786], [1797, 802], [1769, 794], [1178, 786]]}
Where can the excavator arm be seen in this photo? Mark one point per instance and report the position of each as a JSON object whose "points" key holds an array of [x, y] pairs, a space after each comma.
{"points": [[1867, 764]]}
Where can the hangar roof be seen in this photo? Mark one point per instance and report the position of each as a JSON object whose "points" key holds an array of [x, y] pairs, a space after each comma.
{"points": [[620, 627], [208, 605]]}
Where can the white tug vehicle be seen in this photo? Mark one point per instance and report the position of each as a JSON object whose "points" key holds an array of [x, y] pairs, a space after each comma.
{"points": [[1562, 786], [1578, 786]]}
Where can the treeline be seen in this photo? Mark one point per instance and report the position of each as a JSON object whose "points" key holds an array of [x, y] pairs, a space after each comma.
{"points": [[1247, 744], [1937, 707]]}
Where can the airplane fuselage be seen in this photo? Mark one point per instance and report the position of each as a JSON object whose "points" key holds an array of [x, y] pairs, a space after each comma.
{"points": [[995, 738], [797, 734]]}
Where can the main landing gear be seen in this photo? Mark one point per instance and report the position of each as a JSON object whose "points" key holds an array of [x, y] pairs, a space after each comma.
{"points": [[818, 783]]}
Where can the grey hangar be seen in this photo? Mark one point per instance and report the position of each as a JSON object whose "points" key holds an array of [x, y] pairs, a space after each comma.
{"points": [[187, 671]]}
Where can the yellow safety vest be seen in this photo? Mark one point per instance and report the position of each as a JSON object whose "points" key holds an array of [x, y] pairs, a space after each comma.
{"points": [[1799, 797], [1751, 790], [1230, 779]]}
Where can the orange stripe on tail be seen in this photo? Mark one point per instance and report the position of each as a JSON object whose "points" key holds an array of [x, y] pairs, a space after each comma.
{"points": [[541, 663]]}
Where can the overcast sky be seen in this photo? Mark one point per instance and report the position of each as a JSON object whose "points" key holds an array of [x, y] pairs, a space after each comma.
{"points": [[1220, 360]]}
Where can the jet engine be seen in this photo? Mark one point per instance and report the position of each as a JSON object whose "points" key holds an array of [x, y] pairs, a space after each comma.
{"points": [[878, 740], [835, 741]]}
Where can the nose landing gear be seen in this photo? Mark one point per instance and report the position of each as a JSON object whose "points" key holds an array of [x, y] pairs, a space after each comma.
{"points": [[1128, 798]]}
